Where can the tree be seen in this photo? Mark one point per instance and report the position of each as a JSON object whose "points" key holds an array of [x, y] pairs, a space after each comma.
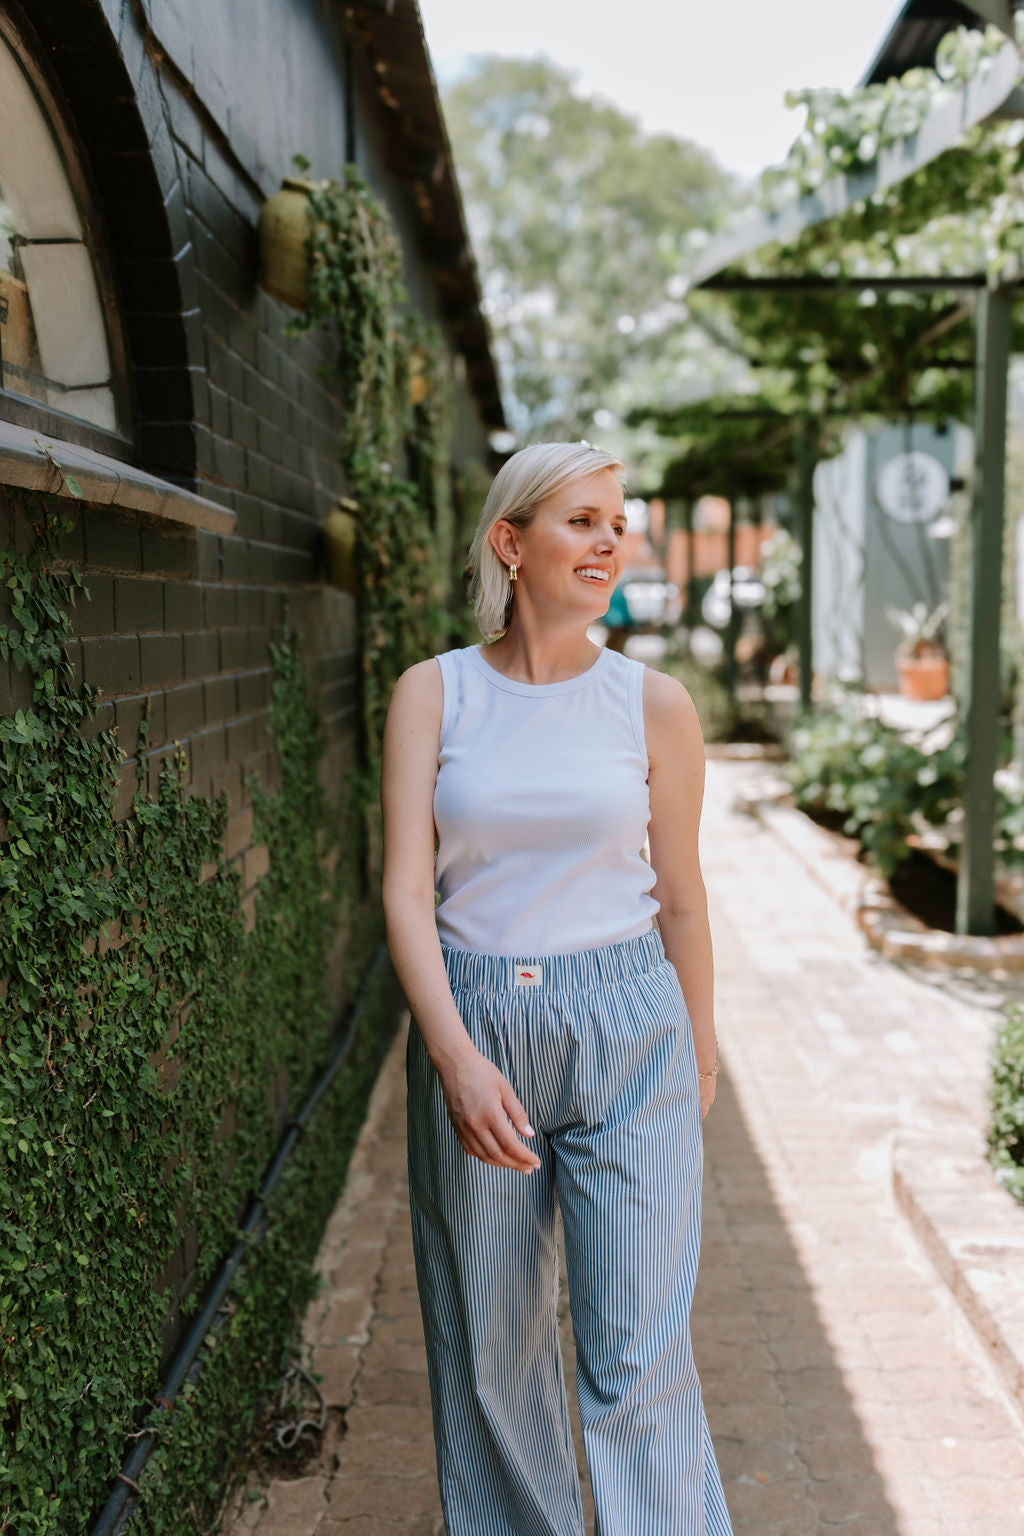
{"points": [[582, 224]]}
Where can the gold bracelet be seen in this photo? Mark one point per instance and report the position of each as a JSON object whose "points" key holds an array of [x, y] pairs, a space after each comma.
{"points": [[704, 1076]]}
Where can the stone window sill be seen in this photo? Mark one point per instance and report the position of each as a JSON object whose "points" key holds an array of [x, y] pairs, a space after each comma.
{"points": [[104, 482]]}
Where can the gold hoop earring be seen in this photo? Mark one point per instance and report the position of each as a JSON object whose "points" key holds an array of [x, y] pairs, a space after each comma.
{"points": [[512, 574]]}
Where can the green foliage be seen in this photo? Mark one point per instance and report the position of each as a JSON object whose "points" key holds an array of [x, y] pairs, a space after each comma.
{"points": [[355, 285], [780, 565], [1006, 1101], [882, 785], [922, 628], [142, 1030], [582, 224], [722, 716], [403, 547], [204, 1445], [845, 131], [779, 570], [867, 352], [731, 445]]}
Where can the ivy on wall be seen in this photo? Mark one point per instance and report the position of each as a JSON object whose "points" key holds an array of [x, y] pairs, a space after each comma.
{"points": [[143, 1031], [356, 293]]}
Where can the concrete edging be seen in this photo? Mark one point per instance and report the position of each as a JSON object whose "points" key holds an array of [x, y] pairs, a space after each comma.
{"points": [[972, 1231]]}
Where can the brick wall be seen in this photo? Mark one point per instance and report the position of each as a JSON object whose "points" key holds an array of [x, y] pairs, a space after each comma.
{"points": [[187, 117]]}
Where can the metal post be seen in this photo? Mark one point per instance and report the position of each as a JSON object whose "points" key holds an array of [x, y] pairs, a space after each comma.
{"points": [[732, 627], [975, 897], [805, 524], [690, 615]]}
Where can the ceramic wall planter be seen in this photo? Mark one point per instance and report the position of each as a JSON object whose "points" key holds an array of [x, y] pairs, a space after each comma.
{"points": [[341, 528], [419, 384], [283, 231]]}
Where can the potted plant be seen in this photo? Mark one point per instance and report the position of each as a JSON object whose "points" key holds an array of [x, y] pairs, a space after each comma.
{"points": [[284, 229], [921, 658]]}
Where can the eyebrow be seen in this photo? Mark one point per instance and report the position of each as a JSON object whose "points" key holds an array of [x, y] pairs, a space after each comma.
{"points": [[594, 509]]}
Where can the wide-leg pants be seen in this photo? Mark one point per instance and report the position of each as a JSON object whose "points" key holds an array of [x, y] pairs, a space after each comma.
{"points": [[598, 1047]]}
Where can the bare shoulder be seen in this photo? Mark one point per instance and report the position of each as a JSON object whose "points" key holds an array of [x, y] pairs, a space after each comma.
{"points": [[670, 718], [420, 686], [416, 705]]}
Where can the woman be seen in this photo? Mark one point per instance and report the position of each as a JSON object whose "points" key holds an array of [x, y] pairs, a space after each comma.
{"points": [[552, 1055]]}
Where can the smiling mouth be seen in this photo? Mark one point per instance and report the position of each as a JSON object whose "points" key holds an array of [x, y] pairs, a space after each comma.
{"points": [[595, 581]]}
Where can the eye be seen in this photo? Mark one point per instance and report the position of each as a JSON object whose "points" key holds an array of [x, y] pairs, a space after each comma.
{"points": [[620, 528]]}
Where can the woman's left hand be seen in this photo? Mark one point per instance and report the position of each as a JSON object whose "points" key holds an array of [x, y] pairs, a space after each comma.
{"points": [[707, 1093]]}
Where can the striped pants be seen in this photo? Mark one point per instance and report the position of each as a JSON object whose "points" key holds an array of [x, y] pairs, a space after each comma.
{"points": [[598, 1047]]}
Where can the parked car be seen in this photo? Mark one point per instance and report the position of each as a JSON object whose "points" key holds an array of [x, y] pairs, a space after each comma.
{"points": [[650, 599], [748, 592]]}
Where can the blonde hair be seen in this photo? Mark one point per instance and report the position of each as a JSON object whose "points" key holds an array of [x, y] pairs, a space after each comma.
{"points": [[521, 484]]}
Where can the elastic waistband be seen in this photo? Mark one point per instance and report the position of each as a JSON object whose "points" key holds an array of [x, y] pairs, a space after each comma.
{"points": [[585, 970]]}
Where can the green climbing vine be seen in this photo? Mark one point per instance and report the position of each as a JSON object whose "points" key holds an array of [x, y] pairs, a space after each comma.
{"points": [[403, 549], [144, 1032]]}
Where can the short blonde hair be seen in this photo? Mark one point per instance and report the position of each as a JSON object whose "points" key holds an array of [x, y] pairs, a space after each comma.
{"points": [[525, 480]]}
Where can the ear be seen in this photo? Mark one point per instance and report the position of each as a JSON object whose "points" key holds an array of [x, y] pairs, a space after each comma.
{"points": [[504, 541]]}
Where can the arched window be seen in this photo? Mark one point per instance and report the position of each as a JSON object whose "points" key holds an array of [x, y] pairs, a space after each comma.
{"points": [[59, 340]]}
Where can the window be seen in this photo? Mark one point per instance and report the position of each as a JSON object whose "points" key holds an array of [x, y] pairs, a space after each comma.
{"points": [[55, 346]]}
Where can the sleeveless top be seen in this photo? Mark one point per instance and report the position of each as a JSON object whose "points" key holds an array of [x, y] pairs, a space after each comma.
{"points": [[541, 807]]}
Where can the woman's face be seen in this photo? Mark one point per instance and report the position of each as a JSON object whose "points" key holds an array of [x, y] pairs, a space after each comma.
{"points": [[579, 528]]}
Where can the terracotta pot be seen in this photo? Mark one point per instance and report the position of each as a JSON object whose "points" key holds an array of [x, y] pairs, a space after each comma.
{"points": [[340, 531], [283, 231], [419, 385], [923, 677]]}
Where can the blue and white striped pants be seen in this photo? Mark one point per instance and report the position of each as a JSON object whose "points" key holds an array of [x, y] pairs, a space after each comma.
{"points": [[599, 1050]]}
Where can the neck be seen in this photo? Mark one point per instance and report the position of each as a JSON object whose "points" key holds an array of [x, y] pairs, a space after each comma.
{"points": [[530, 653]]}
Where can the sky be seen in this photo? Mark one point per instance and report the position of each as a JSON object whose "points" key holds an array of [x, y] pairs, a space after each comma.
{"points": [[715, 72]]}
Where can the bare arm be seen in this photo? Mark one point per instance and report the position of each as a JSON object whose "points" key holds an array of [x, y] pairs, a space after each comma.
{"points": [[480, 1100], [675, 749]]}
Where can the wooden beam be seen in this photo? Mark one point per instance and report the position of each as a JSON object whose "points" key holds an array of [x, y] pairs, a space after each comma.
{"points": [[975, 908], [816, 282]]}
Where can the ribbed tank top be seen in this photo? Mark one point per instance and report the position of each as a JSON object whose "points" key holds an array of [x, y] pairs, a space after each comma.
{"points": [[541, 806]]}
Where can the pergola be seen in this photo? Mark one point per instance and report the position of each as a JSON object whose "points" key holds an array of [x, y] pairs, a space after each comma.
{"points": [[994, 93]]}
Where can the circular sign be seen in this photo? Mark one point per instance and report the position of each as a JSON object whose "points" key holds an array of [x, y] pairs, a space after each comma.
{"points": [[912, 487]]}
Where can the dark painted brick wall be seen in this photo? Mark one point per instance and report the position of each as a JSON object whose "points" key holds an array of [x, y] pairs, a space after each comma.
{"points": [[186, 123]]}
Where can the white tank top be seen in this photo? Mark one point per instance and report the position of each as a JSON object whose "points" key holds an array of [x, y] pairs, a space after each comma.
{"points": [[541, 807]]}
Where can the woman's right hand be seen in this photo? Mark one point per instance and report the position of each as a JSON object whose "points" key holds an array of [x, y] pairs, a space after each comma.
{"points": [[486, 1113]]}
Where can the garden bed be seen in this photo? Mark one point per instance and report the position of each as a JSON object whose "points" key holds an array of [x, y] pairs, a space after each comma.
{"points": [[924, 885]]}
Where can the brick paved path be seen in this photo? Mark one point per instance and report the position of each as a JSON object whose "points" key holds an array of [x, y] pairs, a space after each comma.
{"points": [[844, 1391]]}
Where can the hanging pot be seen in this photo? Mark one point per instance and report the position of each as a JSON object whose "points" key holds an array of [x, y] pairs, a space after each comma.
{"points": [[419, 383], [340, 532], [283, 231]]}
